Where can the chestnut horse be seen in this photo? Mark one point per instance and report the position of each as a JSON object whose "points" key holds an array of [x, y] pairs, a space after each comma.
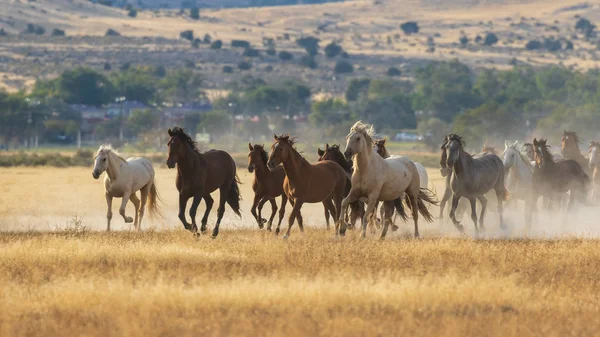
{"points": [[267, 186], [570, 150], [200, 174], [333, 153], [323, 182]]}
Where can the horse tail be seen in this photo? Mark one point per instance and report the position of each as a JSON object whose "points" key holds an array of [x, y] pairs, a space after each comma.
{"points": [[400, 209], [153, 201], [426, 195], [234, 196]]}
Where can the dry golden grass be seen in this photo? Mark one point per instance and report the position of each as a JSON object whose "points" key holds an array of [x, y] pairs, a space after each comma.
{"points": [[250, 283]]}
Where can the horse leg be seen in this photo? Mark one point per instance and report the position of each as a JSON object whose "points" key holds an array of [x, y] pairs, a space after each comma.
{"points": [[183, 199], [483, 200], [473, 202], [455, 200], [445, 198], [293, 215], [326, 214], [369, 213], [223, 191], [273, 212], [136, 204], [500, 195], [144, 198], [284, 200], [260, 207], [109, 210], [209, 204], [330, 208], [352, 196], [387, 209], [354, 213], [414, 207], [193, 209], [257, 198], [124, 201]]}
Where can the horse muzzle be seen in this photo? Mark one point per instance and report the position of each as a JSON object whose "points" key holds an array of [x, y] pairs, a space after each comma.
{"points": [[250, 168], [271, 166], [348, 154], [95, 174], [170, 163], [444, 171]]}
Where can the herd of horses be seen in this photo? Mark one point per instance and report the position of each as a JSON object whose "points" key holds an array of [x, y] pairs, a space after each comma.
{"points": [[351, 184]]}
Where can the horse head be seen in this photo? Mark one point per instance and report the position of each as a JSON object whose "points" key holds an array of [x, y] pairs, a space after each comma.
{"points": [[280, 151], [257, 156], [540, 152], [510, 153], [594, 156], [360, 139], [101, 160], [334, 154], [454, 145], [178, 141]]}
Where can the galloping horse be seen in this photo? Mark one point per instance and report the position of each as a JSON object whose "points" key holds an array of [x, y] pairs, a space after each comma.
{"points": [[323, 182], [383, 152], [333, 153], [551, 177], [594, 165], [519, 171], [123, 179], [380, 179], [472, 178], [200, 174], [267, 186], [570, 150]]}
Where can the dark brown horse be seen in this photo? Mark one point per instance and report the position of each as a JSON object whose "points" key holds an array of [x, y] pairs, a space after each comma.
{"points": [[333, 153], [570, 150], [267, 186], [198, 175], [306, 183], [555, 178]]}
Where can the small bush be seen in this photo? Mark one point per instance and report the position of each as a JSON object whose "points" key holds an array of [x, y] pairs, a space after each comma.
{"points": [[533, 45], [552, 45], [244, 65], [195, 13], [2, 32], [332, 50], [308, 61], [345, 55], [490, 39], [310, 44], [478, 39], [107, 66], [187, 34], [268, 68], [160, 71], [228, 69], [584, 25], [240, 44], [189, 64], [464, 40], [125, 66], [35, 29], [112, 32], [196, 43], [132, 13], [216, 44], [343, 67], [57, 32], [410, 27], [251, 52], [285, 56], [393, 72], [569, 45], [271, 52], [207, 39]]}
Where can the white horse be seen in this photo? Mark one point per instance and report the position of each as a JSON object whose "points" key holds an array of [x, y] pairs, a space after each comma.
{"points": [[520, 171], [594, 164], [379, 179], [123, 179]]}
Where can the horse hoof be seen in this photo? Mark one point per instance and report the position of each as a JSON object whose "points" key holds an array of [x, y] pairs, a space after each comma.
{"points": [[128, 220], [285, 236], [363, 236], [260, 226], [277, 232], [417, 236], [263, 220]]}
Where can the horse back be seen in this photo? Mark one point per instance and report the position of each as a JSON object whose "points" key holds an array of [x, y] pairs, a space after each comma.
{"points": [[319, 182], [220, 169]]}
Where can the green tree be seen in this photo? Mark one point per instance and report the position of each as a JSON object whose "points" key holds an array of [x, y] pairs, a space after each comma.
{"points": [[215, 122], [310, 44], [432, 130], [143, 120], [85, 86], [136, 83], [182, 86]]}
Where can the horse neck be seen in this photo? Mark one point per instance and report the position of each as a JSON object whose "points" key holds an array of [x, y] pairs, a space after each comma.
{"points": [[295, 165], [571, 151], [260, 171], [114, 166], [464, 164], [362, 160], [186, 164], [521, 167]]}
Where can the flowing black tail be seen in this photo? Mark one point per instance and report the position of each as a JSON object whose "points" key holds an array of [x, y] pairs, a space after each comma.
{"points": [[400, 209], [234, 196], [428, 196]]}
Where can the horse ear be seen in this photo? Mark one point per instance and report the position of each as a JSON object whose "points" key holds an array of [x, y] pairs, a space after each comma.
{"points": [[506, 143], [275, 137], [320, 152], [327, 146], [170, 132], [384, 140], [516, 143], [535, 142], [250, 147]]}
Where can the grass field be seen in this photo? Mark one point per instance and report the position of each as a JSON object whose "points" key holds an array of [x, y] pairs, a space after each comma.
{"points": [[61, 274]]}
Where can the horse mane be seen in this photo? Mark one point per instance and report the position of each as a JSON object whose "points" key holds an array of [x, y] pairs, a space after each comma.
{"points": [[459, 139], [367, 130], [521, 154], [263, 154], [107, 148], [181, 134], [545, 148], [287, 139], [572, 134], [489, 149]]}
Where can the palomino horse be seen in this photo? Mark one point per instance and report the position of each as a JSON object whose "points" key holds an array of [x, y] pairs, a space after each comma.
{"points": [[519, 171], [333, 153], [554, 178], [123, 179], [472, 178], [379, 179], [570, 150], [267, 186], [594, 165], [383, 152], [200, 174], [323, 182]]}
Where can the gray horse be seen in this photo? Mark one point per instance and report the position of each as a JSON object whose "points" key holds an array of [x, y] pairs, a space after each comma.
{"points": [[472, 178]]}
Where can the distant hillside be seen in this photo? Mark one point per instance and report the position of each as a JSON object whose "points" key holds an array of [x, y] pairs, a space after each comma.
{"points": [[164, 4]]}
